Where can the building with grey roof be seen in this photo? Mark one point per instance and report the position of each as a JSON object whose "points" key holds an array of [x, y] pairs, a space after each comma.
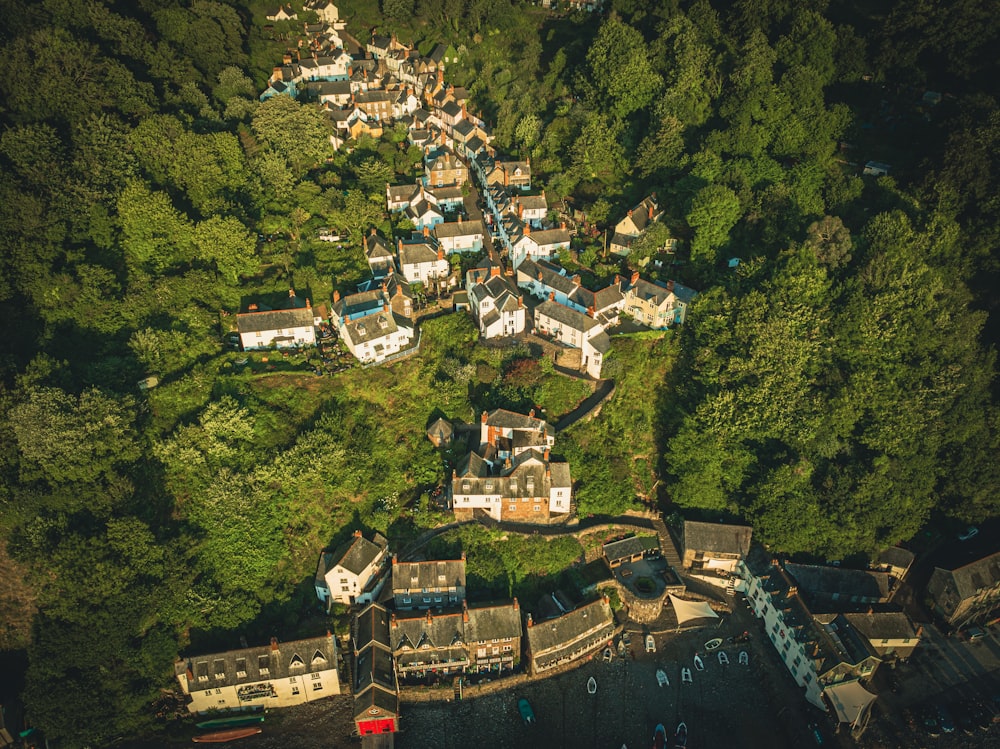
{"points": [[375, 686], [839, 588], [496, 305], [281, 674], [293, 325], [369, 327], [967, 593], [890, 633], [569, 637], [575, 329], [435, 583], [714, 546], [542, 279], [630, 549], [352, 573], [527, 488], [819, 651]]}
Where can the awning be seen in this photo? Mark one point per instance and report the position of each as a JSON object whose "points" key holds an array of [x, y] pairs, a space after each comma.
{"points": [[849, 699], [688, 610]]}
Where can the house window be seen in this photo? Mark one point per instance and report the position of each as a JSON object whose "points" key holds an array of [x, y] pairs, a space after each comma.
{"points": [[407, 600], [318, 686], [537, 508], [316, 677], [507, 648], [295, 691], [208, 693], [259, 334], [343, 580], [511, 508], [222, 702]]}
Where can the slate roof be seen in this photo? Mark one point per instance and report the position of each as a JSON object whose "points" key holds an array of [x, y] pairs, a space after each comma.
{"points": [[982, 573], [459, 229], [438, 573], [426, 630], [718, 538], [817, 580], [371, 627], [496, 622], [897, 557], [414, 253], [445, 193], [441, 429], [356, 554], [568, 628], [384, 699], [571, 318], [373, 666], [550, 237], [549, 275], [629, 547], [314, 654], [329, 88], [372, 327], [279, 319], [883, 625], [512, 481], [403, 193], [451, 109], [501, 417]]}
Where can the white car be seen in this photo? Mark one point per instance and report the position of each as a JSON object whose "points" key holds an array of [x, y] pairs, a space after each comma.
{"points": [[969, 533]]}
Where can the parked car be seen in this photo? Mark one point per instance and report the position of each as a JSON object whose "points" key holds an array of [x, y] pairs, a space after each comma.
{"points": [[945, 720], [929, 722], [816, 733], [974, 634], [969, 533]]}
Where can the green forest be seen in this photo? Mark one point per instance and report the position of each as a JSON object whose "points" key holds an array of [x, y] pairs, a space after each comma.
{"points": [[835, 387]]}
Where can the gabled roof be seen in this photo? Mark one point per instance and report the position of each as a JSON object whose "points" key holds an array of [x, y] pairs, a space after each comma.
{"points": [[628, 547], [565, 629], [459, 229], [247, 665], [488, 623], [974, 576], [571, 318], [356, 554], [402, 193], [501, 417], [372, 327], [883, 625], [414, 253], [719, 538], [817, 580], [371, 627], [426, 630], [897, 557], [437, 573], [281, 319]]}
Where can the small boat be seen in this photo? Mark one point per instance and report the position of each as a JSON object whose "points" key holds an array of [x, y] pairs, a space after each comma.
{"points": [[230, 734], [681, 737], [527, 714], [713, 644], [660, 737], [650, 644], [591, 685], [744, 658], [607, 655], [698, 663], [723, 658], [661, 678], [234, 722], [686, 676]]}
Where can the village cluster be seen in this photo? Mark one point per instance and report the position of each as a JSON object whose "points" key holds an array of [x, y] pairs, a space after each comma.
{"points": [[387, 82], [411, 619], [412, 622]]}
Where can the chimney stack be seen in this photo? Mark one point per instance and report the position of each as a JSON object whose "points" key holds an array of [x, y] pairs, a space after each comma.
{"points": [[399, 244], [552, 296], [592, 311], [494, 270], [483, 418], [274, 643], [635, 277], [516, 607], [545, 455], [465, 612], [430, 618], [531, 414], [440, 253], [530, 623], [336, 296], [576, 279], [527, 229], [427, 231], [650, 211], [357, 533], [291, 293]]}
